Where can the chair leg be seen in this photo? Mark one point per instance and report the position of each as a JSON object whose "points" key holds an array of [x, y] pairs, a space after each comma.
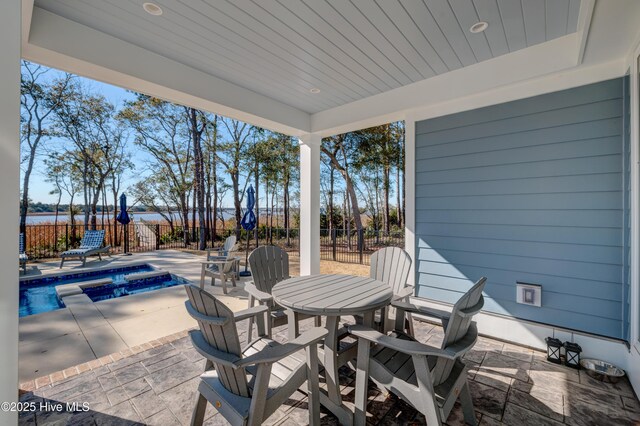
{"points": [[61, 262], [198, 412], [223, 280], [467, 405], [269, 324], [251, 319], [202, 276], [84, 261], [292, 324], [318, 321], [410, 324], [362, 377], [313, 385]]}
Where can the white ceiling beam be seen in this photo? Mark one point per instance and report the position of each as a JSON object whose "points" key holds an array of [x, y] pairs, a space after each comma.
{"points": [[26, 13], [54, 41], [584, 24]]}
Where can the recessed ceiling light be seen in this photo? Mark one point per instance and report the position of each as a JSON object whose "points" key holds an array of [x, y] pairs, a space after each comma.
{"points": [[152, 9], [479, 27], [315, 90]]}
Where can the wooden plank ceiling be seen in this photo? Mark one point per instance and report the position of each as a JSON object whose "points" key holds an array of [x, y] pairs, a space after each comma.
{"points": [[349, 49]]}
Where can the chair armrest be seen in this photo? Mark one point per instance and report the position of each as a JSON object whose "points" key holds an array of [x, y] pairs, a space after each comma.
{"points": [[251, 312], [272, 354], [209, 352], [261, 296], [422, 310], [218, 261], [437, 313], [405, 292], [405, 346]]}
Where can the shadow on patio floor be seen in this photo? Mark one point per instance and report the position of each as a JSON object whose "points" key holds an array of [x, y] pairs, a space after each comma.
{"points": [[510, 385]]}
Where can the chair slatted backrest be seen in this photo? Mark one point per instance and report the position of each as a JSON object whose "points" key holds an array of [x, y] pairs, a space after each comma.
{"points": [[220, 333], [391, 265], [21, 243], [269, 265], [457, 327], [92, 239], [228, 244]]}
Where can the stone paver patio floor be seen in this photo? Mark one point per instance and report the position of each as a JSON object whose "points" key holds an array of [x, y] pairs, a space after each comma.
{"points": [[509, 384]]}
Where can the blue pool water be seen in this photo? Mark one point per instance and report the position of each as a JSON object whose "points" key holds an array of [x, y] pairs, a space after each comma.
{"points": [[39, 295]]}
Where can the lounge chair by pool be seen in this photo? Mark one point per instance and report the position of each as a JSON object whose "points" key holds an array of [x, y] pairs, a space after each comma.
{"points": [[90, 245]]}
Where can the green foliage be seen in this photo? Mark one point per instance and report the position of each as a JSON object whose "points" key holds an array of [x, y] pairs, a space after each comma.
{"points": [[172, 236]]}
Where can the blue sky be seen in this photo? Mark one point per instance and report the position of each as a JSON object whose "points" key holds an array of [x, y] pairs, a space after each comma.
{"points": [[39, 189]]}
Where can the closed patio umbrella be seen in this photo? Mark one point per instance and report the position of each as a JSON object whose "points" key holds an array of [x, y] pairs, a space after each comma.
{"points": [[248, 223], [123, 216], [124, 219]]}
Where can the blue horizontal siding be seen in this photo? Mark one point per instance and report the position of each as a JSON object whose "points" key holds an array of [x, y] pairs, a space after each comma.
{"points": [[570, 167], [534, 191]]}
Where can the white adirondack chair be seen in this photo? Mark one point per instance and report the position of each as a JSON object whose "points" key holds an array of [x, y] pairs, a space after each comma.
{"points": [[226, 248], [220, 264], [391, 265], [221, 267], [247, 386], [430, 379], [270, 265]]}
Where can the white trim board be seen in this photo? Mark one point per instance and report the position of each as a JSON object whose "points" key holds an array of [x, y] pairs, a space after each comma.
{"points": [[410, 192], [530, 334]]}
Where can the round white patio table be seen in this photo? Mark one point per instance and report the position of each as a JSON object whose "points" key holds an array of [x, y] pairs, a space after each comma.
{"points": [[332, 296]]}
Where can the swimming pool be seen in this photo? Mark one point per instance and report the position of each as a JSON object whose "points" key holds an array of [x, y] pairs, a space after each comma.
{"points": [[39, 295]]}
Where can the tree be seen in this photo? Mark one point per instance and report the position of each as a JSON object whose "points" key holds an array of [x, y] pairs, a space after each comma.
{"points": [[154, 194], [258, 154], [88, 121], [378, 148], [159, 128], [211, 175], [287, 166], [120, 163], [65, 176], [335, 148], [233, 150], [38, 100], [197, 124]]}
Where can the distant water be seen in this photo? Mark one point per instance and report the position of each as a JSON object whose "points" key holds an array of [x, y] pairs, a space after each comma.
{"points": [[151, 217]]}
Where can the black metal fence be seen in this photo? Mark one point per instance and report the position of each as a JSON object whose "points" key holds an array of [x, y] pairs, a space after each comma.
{"points": [[353, 246], [44, 241]]}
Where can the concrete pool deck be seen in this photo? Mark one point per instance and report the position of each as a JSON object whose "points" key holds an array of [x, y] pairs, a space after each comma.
{"points": [[82, 332]]}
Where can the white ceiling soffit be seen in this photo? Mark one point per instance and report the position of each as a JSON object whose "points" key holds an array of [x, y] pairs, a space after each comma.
{"points": [[259, 60]]}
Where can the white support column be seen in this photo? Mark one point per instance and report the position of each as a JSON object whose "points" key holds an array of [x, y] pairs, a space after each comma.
{"points": [[410, 193], [310, 204], [9, 193], [633, 364]]}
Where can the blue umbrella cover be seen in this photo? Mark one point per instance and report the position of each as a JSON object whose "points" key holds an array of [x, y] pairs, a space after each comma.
{"points": [[249, 219], [248, 223], [123, 216]]}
